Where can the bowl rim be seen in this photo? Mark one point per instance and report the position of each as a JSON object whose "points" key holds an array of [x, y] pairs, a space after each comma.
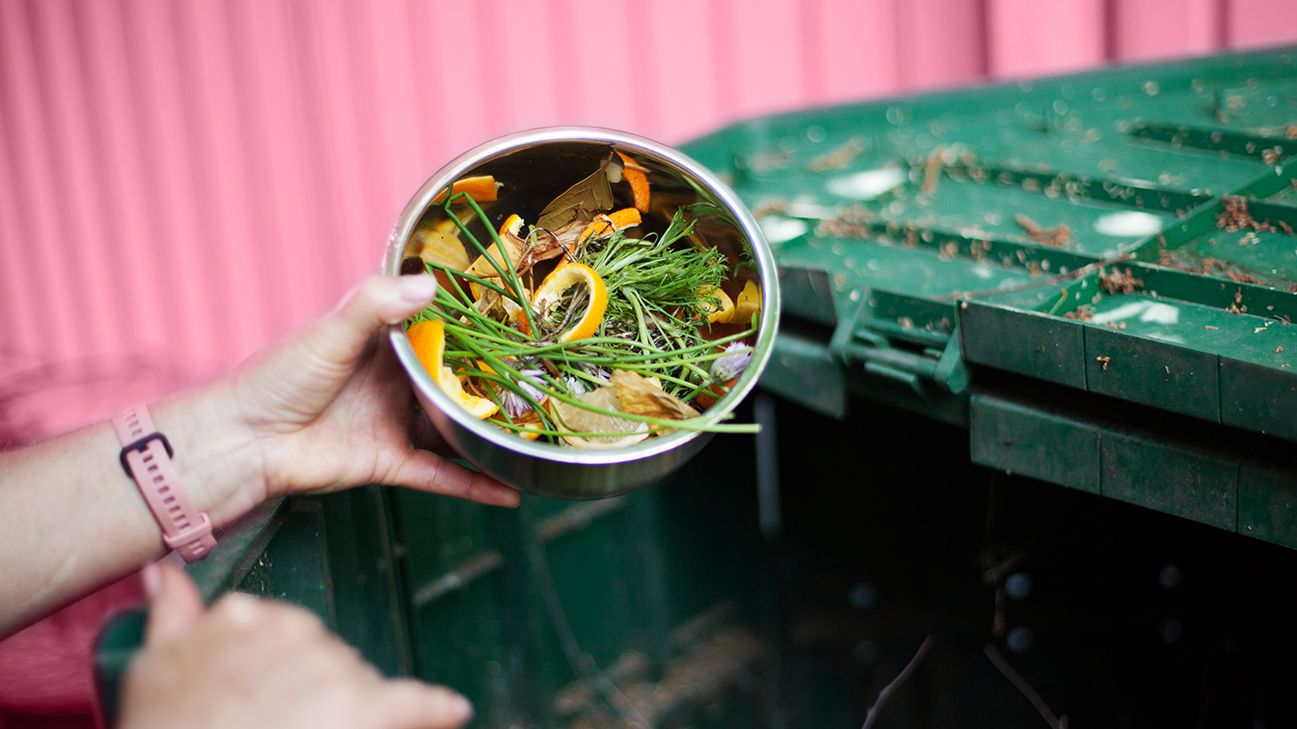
{"points": [[456, 168]]}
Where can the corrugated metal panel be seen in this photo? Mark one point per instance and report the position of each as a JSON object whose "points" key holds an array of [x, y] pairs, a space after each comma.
{"points": [[186, 181]]}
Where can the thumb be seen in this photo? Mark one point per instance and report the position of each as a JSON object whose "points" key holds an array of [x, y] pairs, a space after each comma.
{"points": [[174, 601], [342, 336]]}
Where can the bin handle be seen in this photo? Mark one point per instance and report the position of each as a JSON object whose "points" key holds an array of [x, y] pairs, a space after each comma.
{"points": [[855, 345]]}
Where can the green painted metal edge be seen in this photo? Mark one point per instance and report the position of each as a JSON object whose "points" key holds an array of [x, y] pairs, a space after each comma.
{"points": [[1208, 474], [1267, 504], [1030, 441], [1175, 478], [1253, 398], [1147, 371], [1026, 342]]}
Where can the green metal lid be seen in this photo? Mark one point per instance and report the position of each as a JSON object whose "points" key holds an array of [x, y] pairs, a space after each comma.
{"points": [[1128, 232]]}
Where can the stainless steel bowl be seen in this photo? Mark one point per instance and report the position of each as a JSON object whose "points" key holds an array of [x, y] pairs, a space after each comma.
{"points": [[536, 166]]}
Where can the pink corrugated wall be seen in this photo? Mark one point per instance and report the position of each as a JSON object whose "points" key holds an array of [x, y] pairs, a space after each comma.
{"points": [[183, 181]]}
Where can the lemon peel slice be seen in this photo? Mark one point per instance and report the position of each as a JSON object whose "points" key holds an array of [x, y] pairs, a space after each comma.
{"points": [[716, 303], [749, 303], [563, 278]]}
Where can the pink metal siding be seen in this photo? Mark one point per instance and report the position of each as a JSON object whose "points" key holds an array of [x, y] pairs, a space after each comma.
{"points": [[183, 181]]}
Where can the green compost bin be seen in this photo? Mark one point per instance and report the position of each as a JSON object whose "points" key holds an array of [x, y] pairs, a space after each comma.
{"points": [[1095, 274], [1086, 280]]}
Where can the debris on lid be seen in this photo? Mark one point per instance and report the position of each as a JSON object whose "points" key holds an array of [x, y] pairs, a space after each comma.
{"points": [[839, 158], [1058, 236], [1235, 217], [1120, 281]]}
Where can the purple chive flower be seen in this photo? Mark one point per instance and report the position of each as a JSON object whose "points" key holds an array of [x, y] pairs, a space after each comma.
{"points": [[513, 403], [732, 362]]}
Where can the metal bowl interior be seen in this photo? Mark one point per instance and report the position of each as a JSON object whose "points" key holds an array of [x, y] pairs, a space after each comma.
{"points": [[534, 168]]}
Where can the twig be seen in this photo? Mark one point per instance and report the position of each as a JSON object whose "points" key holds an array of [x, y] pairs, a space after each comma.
{"points": [[932, 171], [1020, 683], [1057, 236], [890, 688]]}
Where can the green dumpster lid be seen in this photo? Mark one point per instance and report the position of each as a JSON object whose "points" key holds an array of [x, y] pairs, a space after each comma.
{"points": [[1128, 232]]}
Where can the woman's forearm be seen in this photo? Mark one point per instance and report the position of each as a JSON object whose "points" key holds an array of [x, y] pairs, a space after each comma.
{"points": [[72, 520], [327, 409]]}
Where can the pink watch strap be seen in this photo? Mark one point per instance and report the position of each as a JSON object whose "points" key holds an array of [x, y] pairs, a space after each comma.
{"points": [[146, 455]]}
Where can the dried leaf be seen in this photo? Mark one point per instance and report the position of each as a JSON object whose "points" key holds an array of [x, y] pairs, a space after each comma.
{"points": [[515, 246], [589, 196], [583, 421], [552, 243], [488, 300], [514, 249], [640, 396]]}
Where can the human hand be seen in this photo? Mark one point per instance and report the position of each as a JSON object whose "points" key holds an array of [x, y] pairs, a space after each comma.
{"points": [[254, 663], [328, 409]]}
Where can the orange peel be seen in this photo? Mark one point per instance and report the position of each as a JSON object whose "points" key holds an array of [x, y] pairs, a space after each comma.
{"points": [[482, 188], [637, 177], [609, 224], [428, 337]]}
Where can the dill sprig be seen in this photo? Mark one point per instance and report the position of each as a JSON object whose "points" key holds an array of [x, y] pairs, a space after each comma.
{"points": [[656, 293], [664, 271]]}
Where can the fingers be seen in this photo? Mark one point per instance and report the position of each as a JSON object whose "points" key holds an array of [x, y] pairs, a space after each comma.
{"points": [[176, 604], [424, 471], [249, 662], [341, 336], [408, 704]]}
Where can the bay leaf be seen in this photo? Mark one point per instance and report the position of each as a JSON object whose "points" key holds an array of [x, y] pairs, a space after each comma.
{"points": [[590, 195]]}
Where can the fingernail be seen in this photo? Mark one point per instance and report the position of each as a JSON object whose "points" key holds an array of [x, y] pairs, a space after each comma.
{"points": [[151, 576], [417, 289], [509, 498]]}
